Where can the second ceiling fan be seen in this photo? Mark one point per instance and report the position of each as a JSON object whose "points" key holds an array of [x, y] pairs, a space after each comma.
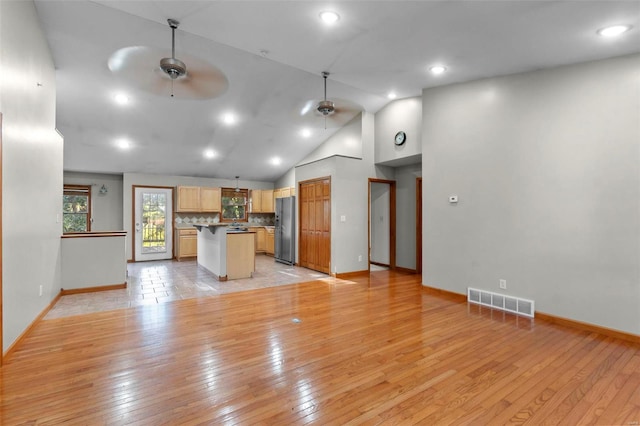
{"points": [[334, 112]]}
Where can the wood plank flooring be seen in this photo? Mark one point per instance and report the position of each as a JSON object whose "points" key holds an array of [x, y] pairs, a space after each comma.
{"points": [[378, 350]]}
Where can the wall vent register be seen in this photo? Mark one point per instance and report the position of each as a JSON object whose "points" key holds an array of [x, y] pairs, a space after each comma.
{"points": [[502, 302]]}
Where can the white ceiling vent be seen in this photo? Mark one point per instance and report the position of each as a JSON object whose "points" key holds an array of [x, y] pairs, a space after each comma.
{"points": [[511, 304]]}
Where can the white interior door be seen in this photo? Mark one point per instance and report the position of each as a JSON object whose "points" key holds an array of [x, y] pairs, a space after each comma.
{"points": [[153, 223]]}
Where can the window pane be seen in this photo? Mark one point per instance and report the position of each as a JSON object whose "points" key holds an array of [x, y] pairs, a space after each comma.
{"points": [[75, 203], [154, 208], [73, 222]]}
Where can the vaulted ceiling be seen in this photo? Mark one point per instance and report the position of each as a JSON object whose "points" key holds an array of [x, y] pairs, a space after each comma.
{"points": [[273, 53]]}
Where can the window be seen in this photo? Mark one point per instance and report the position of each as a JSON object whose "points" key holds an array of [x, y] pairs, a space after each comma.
{"points": [[76, 208], [234, 205]]}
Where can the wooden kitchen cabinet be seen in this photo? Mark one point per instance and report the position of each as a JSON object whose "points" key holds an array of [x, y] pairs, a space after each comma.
{"points": [[188, 199], [261, 242], [284, 192], [270, 241], [187, 243], [268, 204], [256, 201], [210, 199], [198, 199]]}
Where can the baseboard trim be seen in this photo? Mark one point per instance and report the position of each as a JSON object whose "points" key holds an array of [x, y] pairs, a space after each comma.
{"points": [[64, 292], [553, 319], [354, 274], [405, 270], [27, 330], [461, 298], [566, 322]]}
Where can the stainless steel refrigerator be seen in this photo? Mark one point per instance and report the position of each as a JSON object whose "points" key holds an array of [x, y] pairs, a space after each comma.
{"points": [[285, 232]]}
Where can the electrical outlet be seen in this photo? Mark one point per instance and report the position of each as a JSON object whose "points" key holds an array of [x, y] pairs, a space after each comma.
{"points": [[41, 290], [360, 258], [503, 284]]}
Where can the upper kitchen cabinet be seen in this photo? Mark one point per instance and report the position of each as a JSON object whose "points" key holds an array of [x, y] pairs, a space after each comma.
{"points": [[256, 201], [210, 199], [188, 199], [268, 204], [198, 199], [262, 201], [284, 192]]}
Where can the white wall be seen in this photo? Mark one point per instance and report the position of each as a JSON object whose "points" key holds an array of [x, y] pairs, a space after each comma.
{"points": [[545, 165], [349, 192], [95, 261], [401, 114], [106, 208], [31, 170], [286, 180], [130, 179], [345, 142], [405, 177], [380, 222]]}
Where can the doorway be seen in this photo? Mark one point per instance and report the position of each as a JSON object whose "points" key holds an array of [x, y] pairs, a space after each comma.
{"points": [[315, 224], [382, 223], [152, 223]]}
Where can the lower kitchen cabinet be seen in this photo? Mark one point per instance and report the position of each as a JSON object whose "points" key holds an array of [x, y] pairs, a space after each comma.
{"points": [[260, 240], [270, 241], [187, 243]]}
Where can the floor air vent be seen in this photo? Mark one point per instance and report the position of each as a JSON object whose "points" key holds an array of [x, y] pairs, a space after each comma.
{"points": [[515, 305]]}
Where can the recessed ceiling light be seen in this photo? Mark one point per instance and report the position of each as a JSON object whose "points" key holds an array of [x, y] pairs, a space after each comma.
{"points": [[437, 69], [209, 153], [329, 17], [614, 30], [391, 95], [276, 161], [229, 118], [305, 133], [123, 143], [121, 99]]}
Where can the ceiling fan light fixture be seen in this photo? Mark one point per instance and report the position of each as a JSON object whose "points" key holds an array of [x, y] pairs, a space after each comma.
{"points": [[173, 67], [326, 107]]}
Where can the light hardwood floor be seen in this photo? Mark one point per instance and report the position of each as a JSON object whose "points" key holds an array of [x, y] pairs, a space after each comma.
{"points": [[378, 350]]}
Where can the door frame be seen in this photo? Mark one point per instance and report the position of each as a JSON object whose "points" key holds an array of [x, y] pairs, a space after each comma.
{"points": [[392, 221], [133, 217], [419, 225], [1, 283]]}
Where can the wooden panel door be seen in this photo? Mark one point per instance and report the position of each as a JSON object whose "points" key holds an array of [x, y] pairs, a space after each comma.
{"points": [[315, 225]]}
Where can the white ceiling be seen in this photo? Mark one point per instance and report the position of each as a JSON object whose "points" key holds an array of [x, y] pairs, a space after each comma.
{"points": [[376, 47]]}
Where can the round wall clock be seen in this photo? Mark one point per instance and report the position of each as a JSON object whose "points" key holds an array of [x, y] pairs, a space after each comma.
{"points": [[401, 137]]}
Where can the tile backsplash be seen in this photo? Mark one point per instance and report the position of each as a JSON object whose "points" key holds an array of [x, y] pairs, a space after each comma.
{"points": [[187, 219]]}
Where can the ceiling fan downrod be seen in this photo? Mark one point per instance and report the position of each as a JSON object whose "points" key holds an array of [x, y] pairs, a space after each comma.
{"points": [[173, 67], [325, 107]]}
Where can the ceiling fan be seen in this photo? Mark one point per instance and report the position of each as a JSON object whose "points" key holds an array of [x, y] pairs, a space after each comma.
{"points": [[336, 112], [152, 70]]}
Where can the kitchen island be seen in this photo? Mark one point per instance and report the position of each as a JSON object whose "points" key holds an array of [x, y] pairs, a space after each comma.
{"points": [[228, 253]]}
